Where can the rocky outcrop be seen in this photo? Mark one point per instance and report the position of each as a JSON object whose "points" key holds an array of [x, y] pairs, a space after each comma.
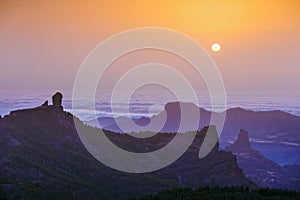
{"points": [[258, 168], [56, 107], [45, 103], [57, 99], [242, 143]]}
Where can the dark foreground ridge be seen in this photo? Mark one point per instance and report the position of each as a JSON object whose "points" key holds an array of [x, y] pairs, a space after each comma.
{"points": [[42, 157], [240, 193]]}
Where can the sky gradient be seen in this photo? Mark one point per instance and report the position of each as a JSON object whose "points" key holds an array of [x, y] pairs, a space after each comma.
{"points": [[43, 43]]}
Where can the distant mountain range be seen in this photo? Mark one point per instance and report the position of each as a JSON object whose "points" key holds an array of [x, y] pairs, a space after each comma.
{"points": [[42, 157], [275, 134]]}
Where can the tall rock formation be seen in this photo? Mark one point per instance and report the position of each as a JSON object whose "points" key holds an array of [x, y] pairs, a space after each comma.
{"points": [[258, 168], [57, 100]]}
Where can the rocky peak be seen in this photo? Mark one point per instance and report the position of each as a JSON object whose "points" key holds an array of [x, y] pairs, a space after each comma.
{"points": [[242, 143], [258, 168], [243, 139], [57, 99], [45, 108], [175, 107]]}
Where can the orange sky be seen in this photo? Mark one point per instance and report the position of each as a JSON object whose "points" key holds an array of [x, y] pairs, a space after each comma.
{"points": [[43, 43]]}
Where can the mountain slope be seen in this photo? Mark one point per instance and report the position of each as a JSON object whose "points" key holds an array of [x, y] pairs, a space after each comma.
{"points": [[274, 130], [260, 169], [43, 157]]}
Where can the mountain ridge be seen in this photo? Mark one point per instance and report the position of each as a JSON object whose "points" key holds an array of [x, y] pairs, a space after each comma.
{"points": [[42, 156], [268, 128]]}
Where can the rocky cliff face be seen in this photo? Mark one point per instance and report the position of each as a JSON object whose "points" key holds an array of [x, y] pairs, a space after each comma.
{"points": [[260, 169], [42, 155]]}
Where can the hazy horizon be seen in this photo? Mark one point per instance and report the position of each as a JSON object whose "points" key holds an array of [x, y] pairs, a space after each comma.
{"points": [[144, 103]]}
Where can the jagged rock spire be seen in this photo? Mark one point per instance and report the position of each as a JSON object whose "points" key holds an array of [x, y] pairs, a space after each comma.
{"points": [[243, 139], [57, 99], [242, 143]]}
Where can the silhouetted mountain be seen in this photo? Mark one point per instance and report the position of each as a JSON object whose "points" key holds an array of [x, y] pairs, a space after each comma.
{"points": [[259, 169], [274, 133], [42, 157]]}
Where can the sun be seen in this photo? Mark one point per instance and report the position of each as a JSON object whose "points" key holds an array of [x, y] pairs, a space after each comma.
{"points": [[215, 47]]}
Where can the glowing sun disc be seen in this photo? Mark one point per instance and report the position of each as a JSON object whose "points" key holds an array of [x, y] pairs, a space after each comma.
{"points": [[215, 47]]}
